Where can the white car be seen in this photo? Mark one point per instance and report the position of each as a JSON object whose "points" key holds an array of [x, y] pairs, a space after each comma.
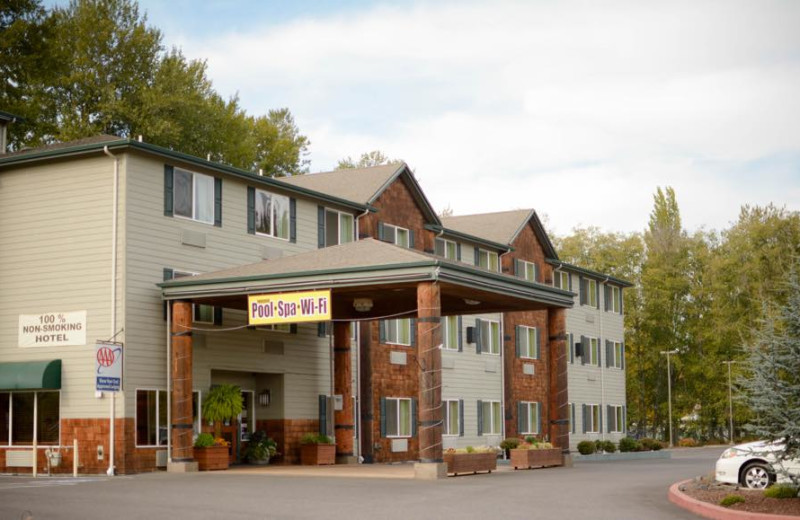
{"points": [[753, 465]]}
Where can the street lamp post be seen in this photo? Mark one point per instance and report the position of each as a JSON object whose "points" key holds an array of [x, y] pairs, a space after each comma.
{"points": [[730, 398], [669, 393]]}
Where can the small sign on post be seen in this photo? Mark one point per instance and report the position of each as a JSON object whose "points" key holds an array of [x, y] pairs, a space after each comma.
{"points": [[108, 366]]}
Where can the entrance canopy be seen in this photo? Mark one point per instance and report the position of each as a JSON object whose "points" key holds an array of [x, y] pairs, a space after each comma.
{"points": [[386, 274]]}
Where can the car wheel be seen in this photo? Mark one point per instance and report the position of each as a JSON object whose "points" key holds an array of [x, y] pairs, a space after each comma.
{"points": [[756, 476]]}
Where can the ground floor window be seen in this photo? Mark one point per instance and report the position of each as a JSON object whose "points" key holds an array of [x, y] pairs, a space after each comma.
{"points": [[453, 424], [397, 417], [489, 418], [17, 416], [591, 418], [530, 414], [616, 419], [151, 417]]}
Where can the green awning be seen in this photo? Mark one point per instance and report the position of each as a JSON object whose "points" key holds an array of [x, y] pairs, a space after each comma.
{"points": [[31, 375]]}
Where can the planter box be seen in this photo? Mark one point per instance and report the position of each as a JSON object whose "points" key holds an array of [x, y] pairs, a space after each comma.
{"points": [[470, 462], [317, 454], [536, 458], [212, 458]]}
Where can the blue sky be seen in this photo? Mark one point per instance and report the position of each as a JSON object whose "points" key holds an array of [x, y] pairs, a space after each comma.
{"points": [[577, 109]]}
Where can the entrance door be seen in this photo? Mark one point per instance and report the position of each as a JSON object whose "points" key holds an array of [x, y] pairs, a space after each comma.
{"points": [[246, 421]]}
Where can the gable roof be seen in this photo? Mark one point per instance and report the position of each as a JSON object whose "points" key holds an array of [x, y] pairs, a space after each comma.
{"points": [[364, 185], [501, 227]]}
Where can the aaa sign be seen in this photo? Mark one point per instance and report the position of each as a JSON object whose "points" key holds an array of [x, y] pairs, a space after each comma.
{"points": [[269, 309]]}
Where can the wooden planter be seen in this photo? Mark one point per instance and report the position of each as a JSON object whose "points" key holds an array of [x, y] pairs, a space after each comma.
{"points": [[317, 454], [211, 458], [470, 462], [527, 459]]}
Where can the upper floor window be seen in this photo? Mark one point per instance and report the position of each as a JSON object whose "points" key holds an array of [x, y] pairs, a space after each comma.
{"points": [[451, 336], [397, 332], [487, 337], [487, 259], [396, 235], [613, 299], [591, 351], [615, 354], [562, 281], [527, 270], [527, 342], [272, 214], [201, 313], [339, 227], [589, 292], [192, 195], [397, 417], [446, 248]]}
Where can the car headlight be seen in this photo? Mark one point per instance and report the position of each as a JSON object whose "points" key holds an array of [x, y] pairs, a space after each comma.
{"points": [[729, 453]]}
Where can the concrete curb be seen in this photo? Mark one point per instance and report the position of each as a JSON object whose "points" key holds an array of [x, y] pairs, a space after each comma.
{"points": [[706, 510], [632, 455]]}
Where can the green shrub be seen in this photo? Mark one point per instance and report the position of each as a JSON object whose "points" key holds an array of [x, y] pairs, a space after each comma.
{"points": [[609, 447], [651, 444], [729, 500], [781, 491], [315, 438], [586, 447], [510, 443], [627, 444], [204, 440], [530, 439]]}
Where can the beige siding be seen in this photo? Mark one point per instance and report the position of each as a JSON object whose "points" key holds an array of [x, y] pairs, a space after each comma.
{"points": [[55, 253]]}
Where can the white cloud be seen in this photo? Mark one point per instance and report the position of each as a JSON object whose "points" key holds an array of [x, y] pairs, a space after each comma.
{"points": [[579, 109]]}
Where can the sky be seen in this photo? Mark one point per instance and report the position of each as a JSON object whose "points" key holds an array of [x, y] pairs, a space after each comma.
{"points": [[578, 109]]}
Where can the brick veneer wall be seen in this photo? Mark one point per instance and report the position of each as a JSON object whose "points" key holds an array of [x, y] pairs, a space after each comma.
{"points": [[287, 434]]}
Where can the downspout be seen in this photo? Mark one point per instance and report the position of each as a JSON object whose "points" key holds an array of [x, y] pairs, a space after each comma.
{"points": [[115, 206], [357, 409], [602, 368], [503, 360]]}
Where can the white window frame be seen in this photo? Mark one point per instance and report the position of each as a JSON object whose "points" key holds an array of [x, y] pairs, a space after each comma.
{"points": [[570, 348], [593, 351], [396, 232], [157, 412], [491, 258], [615, 293], [197, 308], [617, 427], [490, 343], [282, 328], [9, 440], [533, 410], [446, 246], [340, 215], [447, 416], [616, 350], [273, 221], [194, 216], [398, 434], [496, 429], [561, 280], [591, 293], [396, 340], [525, 267], [527, 351], [450, 333], [594, 421]]}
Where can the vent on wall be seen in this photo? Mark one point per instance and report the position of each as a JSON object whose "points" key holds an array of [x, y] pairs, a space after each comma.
{"points": [[161, 459]]}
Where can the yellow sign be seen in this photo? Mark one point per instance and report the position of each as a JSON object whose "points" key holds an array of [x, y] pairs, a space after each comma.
{"points": [[268, 309]]}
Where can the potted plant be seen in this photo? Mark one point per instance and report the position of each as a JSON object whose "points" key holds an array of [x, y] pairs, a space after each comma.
{"points": [[317, 449], [222, 403], [260, 448], [509, 444], [535, 454], [210, 453], [471, 460]]}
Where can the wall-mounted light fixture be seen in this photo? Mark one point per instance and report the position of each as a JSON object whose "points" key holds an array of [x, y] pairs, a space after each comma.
{"points": [[471, 302], [362, 304], [264, 398]]}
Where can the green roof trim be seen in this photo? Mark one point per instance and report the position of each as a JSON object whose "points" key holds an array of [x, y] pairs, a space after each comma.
{"points": [[470, 238], [558, 264], [8, 116], [124, 144], [31, 375]]}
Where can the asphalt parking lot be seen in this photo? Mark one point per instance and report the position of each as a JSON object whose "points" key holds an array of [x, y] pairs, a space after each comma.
{"points": [[597, 491]]}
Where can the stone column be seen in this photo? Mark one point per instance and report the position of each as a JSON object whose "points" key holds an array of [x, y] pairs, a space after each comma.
{"points": [[342, 385], [558, 402], [429, 337], [181, 397]]}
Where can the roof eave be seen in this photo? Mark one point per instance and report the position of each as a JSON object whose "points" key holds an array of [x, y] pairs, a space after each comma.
{"points": [[588, 272], [470, 238]]}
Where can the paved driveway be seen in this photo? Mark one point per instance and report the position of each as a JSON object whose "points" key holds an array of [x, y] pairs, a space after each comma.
{"points": [[597, 491]]}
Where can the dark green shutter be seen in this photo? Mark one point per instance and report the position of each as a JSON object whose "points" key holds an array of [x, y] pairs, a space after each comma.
{"points": [[321, 329], [537, 349], [381, 233], [477, 256], [606, 296], [597, 294], [600, 418], [293, 328], [585, 418], [251, 210], [539, 418], [460, 417], [383, 417], [413, 327], [477, 336], [323, 414], [584, 350], [599, 352], [169, 197], [520, 413], [572, 418], [217, 202], [569, 281], [458, 251], [518, 332], [217, 315], [610, 416], [582, 290], [609, 353], [480, 418], [292, 220], [621, 301], [622, 356], [320, 227], [460, 336], [624, 419], [169, 274], [411, 239], [382, 331], [413, 417]]}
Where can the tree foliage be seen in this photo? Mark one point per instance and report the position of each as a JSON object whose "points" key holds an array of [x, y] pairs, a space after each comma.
{"points": [[97, 67], [367, 160]]}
